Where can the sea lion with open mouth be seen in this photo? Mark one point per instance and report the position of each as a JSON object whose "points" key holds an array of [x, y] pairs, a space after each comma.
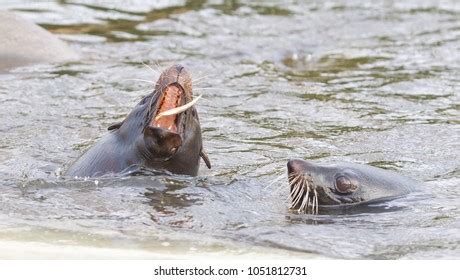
{"points": [[162, 132], [313, 187]]}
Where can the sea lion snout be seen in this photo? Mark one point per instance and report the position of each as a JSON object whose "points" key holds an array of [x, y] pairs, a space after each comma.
{"points": [[176, 74], [297, 166], [172, 91]]}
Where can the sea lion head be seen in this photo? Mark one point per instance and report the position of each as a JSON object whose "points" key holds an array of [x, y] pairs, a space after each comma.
{"points": [[166, 125], [313, 186], [163, 135]]}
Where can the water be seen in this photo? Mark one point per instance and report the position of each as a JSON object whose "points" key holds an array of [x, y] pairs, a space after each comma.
{"points": [[324, 80]]}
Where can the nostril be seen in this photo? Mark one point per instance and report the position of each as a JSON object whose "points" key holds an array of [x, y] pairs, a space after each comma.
{"points": [[296, 166], [179, 68]]}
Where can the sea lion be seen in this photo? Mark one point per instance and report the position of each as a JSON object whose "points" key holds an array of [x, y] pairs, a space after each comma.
{"points": [[23, 42], [314, 187], [149, 138]]}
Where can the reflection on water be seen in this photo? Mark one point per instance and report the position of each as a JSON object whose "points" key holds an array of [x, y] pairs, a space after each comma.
{"points": [[336, 80]]}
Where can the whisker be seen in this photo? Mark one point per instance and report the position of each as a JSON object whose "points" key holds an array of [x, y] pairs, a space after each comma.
{"points": [[294, 182], [200, 78], [302, 207], [294, 202], [299, 193], [144, 92], [203, 72], [157, 66], [297, 180], [298, 199], [304, 194], [295, 189], [299, 210], [140, 80], [304, 201], [154, 72], [307, 195], [274, 181], [209, 88], [293, 176], [200, 83], [316, 198], [203, 97]]}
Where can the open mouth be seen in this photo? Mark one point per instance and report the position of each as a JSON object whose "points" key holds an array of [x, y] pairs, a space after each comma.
{"points": [[171, 100], [169, 108]]}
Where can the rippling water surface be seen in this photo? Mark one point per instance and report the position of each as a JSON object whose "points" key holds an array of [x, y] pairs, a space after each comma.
{"points": [[321, 80]]}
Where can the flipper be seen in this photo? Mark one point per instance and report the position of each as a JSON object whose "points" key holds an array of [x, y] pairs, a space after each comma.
{"points": [[205, 157], [115, 126]]}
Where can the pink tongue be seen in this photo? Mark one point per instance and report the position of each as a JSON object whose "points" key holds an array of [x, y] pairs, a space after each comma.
{"points": [[171, 100]]}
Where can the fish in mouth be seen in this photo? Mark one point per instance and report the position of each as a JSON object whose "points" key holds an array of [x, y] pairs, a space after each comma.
{"points": [[162, 132], [314, 187]]}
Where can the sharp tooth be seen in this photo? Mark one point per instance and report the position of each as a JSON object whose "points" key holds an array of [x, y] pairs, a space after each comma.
{"points": [[169, 128]]}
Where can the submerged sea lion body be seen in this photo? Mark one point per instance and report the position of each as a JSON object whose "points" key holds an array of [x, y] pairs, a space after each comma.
{"points": [[171, 143], [319, 186], [23, 42]]}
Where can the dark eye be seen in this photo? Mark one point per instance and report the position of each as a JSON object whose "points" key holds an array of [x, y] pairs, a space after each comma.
{"points": [[343, 184]]}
